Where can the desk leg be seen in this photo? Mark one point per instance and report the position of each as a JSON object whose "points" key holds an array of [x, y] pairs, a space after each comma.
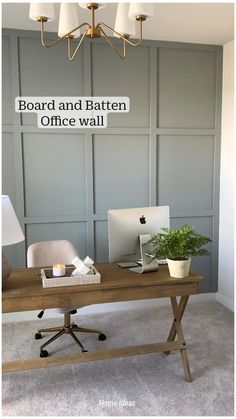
{"points": [[181, 309], [180, 335]]}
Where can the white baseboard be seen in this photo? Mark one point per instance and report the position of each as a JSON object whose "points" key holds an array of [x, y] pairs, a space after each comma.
{"points": [[225, 301], [104, 308]]}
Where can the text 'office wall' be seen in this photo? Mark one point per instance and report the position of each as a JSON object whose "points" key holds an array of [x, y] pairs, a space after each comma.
{"points": [[165, 151]]}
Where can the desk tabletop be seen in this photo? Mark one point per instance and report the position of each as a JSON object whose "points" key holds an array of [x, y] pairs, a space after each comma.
{"points": [[25, 282]]}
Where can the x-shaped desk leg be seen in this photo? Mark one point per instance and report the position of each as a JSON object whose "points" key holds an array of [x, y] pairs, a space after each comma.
{"points": [[176, 329]]}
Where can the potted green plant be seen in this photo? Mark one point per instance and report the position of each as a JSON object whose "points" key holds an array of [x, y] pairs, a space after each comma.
{"points": [[177, 246]]}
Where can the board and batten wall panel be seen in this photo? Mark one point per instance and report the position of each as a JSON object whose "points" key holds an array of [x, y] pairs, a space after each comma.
{"points": [[185, 170], [128, 162], [101, 243], [54, 174], [164, 151], [8, 161], [76, 233], [9, 182], [186, 88], [7, 97]]}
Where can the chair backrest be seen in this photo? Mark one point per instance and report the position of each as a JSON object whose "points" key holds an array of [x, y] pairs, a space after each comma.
{"points": [[48, 253]]}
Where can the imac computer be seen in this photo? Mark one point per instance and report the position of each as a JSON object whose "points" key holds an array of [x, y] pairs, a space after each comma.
{"points": [[129, 230]]}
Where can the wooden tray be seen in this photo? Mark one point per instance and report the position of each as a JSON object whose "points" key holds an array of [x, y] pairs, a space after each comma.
{"points": [[48, 280]]}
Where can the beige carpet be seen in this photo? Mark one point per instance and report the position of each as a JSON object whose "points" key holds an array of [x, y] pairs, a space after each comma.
{"points": [[147, 385]]}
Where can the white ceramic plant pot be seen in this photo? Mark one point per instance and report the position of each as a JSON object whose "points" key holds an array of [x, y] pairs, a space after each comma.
{"points": [[179, 268]]}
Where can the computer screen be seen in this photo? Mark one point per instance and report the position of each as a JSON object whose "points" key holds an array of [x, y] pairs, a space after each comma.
{"points": [[125, 226]]}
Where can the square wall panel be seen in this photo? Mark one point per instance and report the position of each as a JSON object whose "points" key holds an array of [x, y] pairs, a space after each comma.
{"points": [[186, 88], [202, 225], [7, 102], [114, 77], [13, 256], [121, 171], [185, 172], [74, 232], [48, 72], [101, 241], [54, 174], [8, 165]]}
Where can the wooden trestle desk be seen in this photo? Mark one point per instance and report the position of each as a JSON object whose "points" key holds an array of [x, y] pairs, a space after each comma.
{"points": [[24, 292]]}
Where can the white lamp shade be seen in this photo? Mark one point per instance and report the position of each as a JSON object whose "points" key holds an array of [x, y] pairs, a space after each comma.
{"points": [[68, 20], [11, 229], [123, 24], [42, 10], [140, 9], [85, 5]]}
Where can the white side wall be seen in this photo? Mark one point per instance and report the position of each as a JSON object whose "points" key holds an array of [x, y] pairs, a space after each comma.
{"points": [[225, 293]]}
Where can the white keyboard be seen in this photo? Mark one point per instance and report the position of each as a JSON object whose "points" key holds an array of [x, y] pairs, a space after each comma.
{"points": [[162, 261]]}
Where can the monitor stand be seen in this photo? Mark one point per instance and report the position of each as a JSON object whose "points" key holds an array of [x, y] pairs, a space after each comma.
{"points": [[145, 250]]}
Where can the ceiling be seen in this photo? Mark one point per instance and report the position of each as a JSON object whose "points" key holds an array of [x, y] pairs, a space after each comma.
{"points": [[205, 23]]}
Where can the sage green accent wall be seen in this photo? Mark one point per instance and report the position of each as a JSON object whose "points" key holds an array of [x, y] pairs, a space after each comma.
{"points": [[165, 151]]}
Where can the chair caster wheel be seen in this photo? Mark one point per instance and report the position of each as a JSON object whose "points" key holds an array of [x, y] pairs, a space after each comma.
{"points": [[43, 353], [102, 336], [38, 336], [84, 350]]}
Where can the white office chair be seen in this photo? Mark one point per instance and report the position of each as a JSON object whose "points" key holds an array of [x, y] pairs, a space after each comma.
{"points": [[48, 253]]}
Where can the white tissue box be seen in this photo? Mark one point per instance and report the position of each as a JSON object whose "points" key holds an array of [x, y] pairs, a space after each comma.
{"points": [[48, 280]]}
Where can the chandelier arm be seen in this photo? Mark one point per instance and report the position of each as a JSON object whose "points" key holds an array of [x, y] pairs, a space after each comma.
{"points": [[113, 46], [72, 56], [123, 37], [60, 38]]}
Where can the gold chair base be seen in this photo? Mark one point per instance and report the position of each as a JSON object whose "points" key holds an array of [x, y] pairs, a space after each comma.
{"points": [[70, 329]]}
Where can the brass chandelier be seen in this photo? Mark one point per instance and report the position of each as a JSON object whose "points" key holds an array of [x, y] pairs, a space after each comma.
{"points": [[69, 27]]}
